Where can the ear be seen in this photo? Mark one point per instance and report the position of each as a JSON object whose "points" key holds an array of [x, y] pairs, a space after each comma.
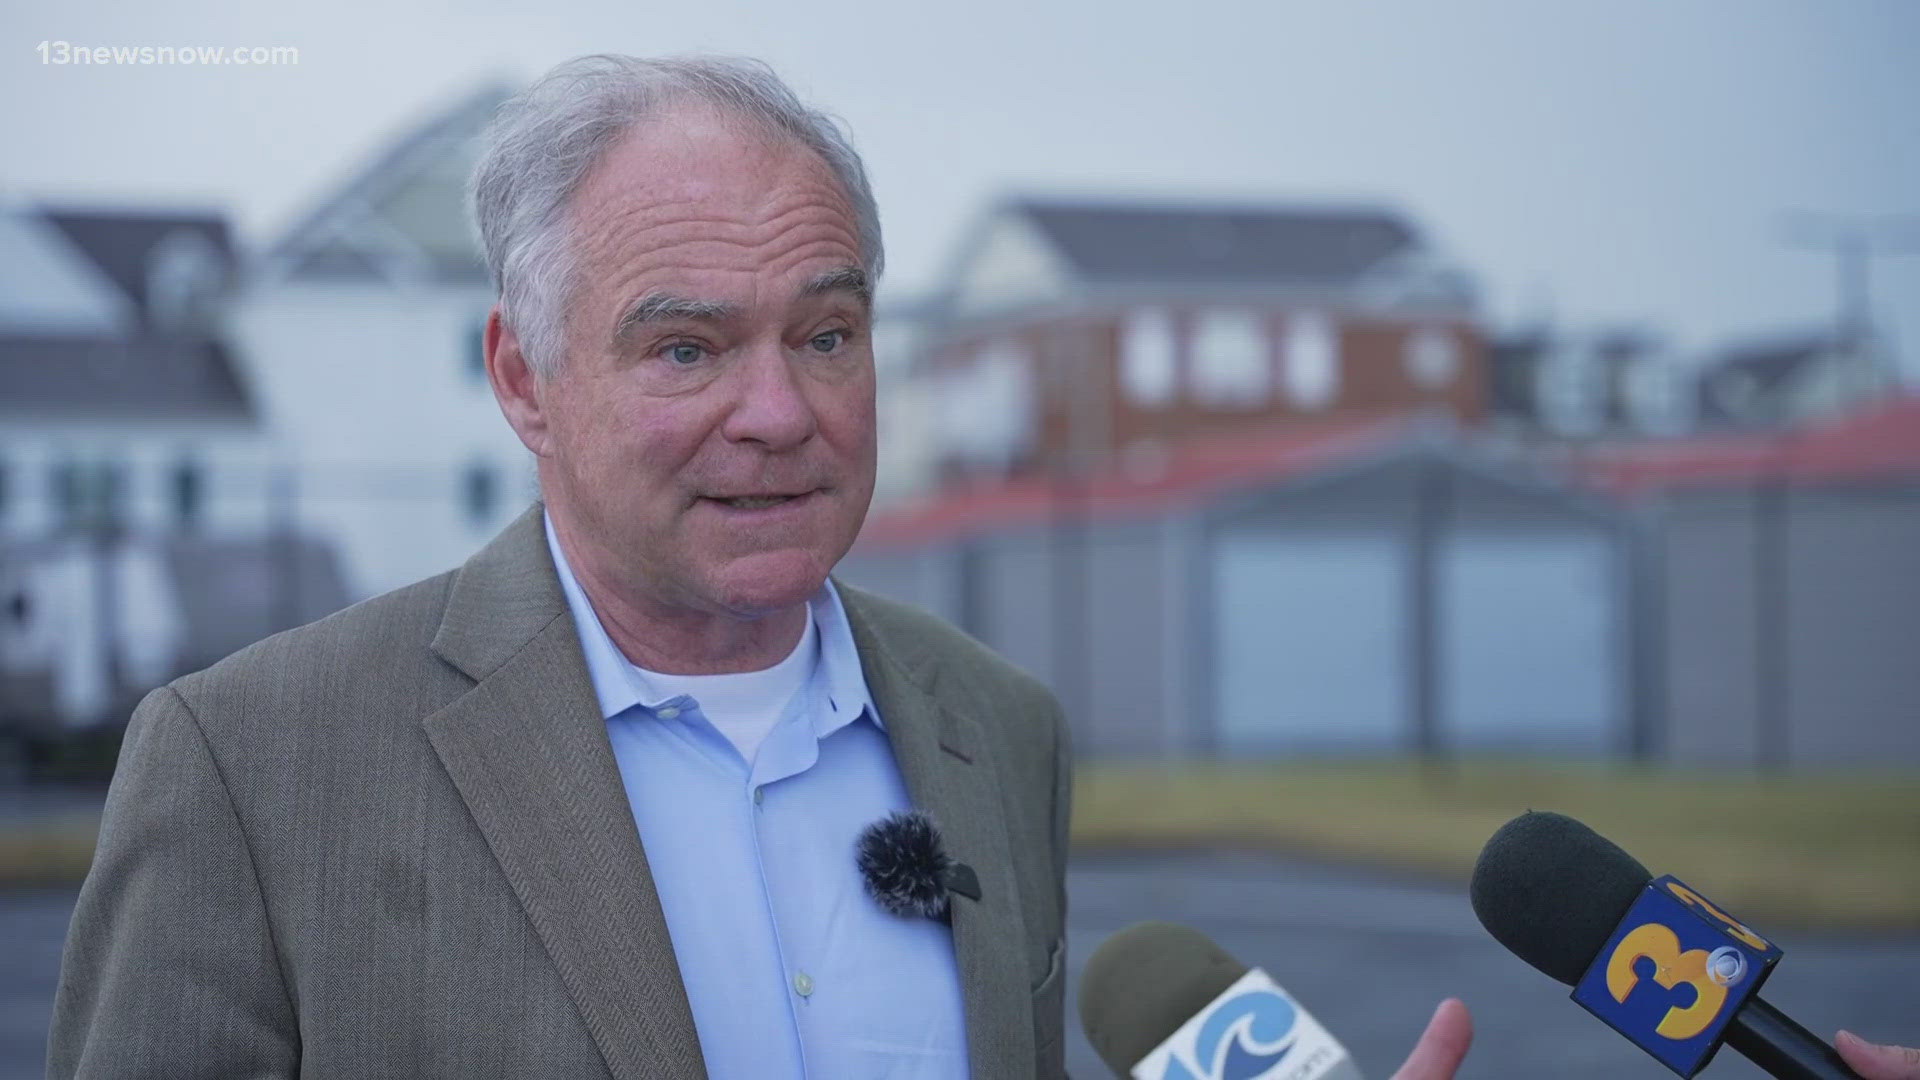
{"points": [[519, 389]]}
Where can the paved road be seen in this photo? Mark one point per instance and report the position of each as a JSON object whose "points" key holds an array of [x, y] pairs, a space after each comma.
{"points": [[1369, 956], [33, 925]]}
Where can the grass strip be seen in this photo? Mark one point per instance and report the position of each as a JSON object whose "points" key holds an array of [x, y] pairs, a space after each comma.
{"points": [[1829, 851]]}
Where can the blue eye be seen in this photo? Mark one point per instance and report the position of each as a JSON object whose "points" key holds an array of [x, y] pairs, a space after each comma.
{"points": [[828, 341], [684, 353]]}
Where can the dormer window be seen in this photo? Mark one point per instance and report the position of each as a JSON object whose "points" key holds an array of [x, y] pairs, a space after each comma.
{"points": [[184, 276]]}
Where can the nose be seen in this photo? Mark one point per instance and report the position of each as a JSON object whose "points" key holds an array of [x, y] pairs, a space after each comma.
{"points": [[770, 401]]}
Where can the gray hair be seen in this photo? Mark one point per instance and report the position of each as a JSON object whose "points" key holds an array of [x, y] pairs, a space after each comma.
{"points": [[544, 140]]}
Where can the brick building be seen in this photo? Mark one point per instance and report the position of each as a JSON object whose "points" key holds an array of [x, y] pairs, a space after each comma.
{"points": [[1118, 328]]}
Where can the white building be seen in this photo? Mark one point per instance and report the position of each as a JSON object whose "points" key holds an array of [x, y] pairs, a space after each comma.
{"points": [[361, 328], [125, 423]]}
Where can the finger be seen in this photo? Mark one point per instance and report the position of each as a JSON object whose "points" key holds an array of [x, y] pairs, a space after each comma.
{"points": [[1875, 1062], [1442, 1046]]}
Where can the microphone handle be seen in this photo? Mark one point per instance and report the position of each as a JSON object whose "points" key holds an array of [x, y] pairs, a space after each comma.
{"points": [[1783, 1048]]}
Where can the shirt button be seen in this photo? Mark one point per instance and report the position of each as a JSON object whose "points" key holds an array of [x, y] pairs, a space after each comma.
{"points": [[668, 712], [759, 795], [803, 984]]}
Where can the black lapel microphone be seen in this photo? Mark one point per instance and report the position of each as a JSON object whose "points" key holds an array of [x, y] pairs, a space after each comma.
{"points": [[907, 869]]}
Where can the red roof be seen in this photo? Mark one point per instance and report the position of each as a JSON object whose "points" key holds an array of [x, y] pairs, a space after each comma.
{"points": [[1191, 471], [1876, 442]]}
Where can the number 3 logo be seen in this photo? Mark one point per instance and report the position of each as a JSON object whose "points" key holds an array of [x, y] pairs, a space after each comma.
{"points": [[1672, 967]]}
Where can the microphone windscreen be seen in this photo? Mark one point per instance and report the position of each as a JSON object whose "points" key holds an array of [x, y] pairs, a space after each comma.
{"points": [[1553, 891], [904, 865], [1146, 981]]}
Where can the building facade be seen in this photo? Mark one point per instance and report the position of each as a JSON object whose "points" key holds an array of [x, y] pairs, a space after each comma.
{"points": [[1078, 332]]}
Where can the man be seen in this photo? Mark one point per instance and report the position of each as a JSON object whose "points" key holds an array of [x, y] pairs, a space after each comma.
{"points": [[588, 805]]}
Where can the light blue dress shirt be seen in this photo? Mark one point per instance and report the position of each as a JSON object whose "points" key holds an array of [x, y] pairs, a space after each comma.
{"points": [[790, 967]]}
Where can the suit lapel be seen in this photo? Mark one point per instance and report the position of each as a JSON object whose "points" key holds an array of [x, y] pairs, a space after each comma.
{"points": [[528, 751], [949, 771]]}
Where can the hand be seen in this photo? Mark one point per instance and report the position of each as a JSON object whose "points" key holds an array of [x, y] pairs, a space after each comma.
{"points": [[1875, 1062], [1444, 1044]]}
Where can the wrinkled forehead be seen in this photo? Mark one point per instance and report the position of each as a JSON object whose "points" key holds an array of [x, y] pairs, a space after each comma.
{"points": [[698, 160], [701, 196]]}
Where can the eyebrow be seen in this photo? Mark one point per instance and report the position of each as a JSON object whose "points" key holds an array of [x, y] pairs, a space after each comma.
{"points": [[847, 279], [657, 307], [666, 307]]}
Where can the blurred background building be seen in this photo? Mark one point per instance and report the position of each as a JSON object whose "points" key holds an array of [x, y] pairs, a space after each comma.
{"points": [[204, 445], [1238, 477], [1081, 330]]}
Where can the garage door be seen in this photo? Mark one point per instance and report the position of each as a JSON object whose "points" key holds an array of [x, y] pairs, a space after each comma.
{"points": [[1309, 635], [1528, 649]]}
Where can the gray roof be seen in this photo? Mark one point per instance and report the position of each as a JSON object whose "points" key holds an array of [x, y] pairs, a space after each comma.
{"points": [[139, 378], [1751, 381], [122, 243], [1109, 241], [1771, 361]]}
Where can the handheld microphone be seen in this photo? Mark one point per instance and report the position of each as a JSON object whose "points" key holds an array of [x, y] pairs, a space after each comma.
{"points": [[1163, 1002], [1655, 960], [907, 869]]}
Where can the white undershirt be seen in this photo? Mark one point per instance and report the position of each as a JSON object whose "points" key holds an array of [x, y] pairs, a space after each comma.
{"points": [[745, 705]]}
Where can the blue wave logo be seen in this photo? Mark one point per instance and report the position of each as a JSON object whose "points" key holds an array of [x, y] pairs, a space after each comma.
{"points": [[1244, 1038]]}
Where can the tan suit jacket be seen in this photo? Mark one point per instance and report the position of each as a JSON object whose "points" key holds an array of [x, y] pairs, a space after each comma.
{"points": [[394, 843]]}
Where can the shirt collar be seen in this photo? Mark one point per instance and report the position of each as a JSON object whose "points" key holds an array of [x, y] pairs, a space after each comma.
{"points": [[619, 684]]}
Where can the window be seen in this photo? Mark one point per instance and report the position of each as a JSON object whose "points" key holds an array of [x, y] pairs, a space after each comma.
{"points": [[480, 490], [89, 495], [1653, 393], [109, 502], [1312, 360], [1569, 397], [63, 480], [187, 486], [1432, 357], [987, 411], [1230, 361], [474, 349], [1148, 365]]}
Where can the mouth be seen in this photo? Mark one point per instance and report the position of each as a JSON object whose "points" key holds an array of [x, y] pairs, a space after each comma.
{"points": [[760, 503]]}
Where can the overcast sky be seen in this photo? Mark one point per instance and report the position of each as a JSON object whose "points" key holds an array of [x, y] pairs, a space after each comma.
{"points": [[1603, 161]]}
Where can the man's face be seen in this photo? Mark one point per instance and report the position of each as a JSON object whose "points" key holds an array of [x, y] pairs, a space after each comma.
{"points": [[717, 350]]}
